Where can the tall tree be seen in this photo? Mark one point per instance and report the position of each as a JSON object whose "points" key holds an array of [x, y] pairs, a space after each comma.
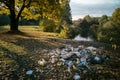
{"points": [[116, 16], [66, 16], [103, 20], [110, 31], [28, 9]]}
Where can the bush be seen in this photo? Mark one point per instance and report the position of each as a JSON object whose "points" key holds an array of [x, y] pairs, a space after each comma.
{"points": [[109, 33], [64, 32], [4, 20], [69, 32], [47, 25]]}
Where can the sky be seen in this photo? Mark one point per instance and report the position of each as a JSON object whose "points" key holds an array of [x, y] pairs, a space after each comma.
{"points": [[95, 8]]}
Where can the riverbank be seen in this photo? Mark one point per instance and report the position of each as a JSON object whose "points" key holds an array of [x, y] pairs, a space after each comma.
{"points": [[20, 53]]}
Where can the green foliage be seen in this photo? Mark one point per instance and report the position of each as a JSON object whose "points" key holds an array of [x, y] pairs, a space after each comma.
{"points": [[88, 26], [104, 34], [47, 25], [109, 32], [73, 32], [103, 19], [28, 22], [30, 9], [85, 32], [66, 12], [88, 18], [84, 23], [94, 30], [65, 32], [85, 28], [4, 20], [54, 10], [116, 16], [69, 32]]}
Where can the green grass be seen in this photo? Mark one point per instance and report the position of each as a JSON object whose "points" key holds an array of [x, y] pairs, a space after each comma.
{"points": [[20, 27], [12, 47], [4, 28]]}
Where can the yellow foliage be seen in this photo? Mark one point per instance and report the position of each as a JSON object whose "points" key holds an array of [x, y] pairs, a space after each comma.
{"points": [[4, 11]]}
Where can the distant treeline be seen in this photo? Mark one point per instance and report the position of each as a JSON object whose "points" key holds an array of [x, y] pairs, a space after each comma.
{"points": [[105, 29]]}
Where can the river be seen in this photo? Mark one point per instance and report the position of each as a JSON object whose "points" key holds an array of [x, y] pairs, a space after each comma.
{"points": [[80, 38]]}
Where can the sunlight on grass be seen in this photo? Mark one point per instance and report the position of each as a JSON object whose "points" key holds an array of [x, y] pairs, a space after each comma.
{"points": [[13, 48], [4, 28], [20, 27], [33, 31]]}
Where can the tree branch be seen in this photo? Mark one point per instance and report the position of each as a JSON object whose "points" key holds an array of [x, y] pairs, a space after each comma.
{"points": [[22, 8], [19, 13], [28, 4]]}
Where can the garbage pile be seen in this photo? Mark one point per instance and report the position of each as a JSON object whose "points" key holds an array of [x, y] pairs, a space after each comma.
{"points": [[75, 58]]}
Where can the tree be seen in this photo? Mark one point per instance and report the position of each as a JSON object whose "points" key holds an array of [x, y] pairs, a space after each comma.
{"points": [[63, 19], [116, 16], [47, 25], [66, 12], [29, 9], [103, 20], [110, 30], [88, 19]]}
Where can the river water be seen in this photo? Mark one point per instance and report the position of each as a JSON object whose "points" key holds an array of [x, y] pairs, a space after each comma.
{"points": [[79, 38]]}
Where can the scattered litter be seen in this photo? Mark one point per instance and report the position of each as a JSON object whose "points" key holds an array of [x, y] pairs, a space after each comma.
{"points": [[42, 62], [29, 72], [69, 66], [76, 76], [97, 58], [73, 59], [91, 48]]}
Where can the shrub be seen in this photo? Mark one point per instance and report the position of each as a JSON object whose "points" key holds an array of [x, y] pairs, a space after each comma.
{"points": [[4, 19], [47, 25], [109, 33], [69, 32]]}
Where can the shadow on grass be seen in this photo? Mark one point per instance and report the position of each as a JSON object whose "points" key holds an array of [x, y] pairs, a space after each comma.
{"points": [[16, 69], [16, 33], [35, 45]]}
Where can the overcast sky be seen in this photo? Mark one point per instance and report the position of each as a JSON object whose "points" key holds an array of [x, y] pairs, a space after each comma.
{"points": [[80, 8]]}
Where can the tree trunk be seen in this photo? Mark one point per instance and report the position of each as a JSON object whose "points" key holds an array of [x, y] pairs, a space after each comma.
{"points": [[13, 17], [14, 21], [14, 25]]}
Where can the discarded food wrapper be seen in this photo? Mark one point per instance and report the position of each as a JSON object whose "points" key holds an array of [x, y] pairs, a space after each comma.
{"points": [[76, 76], [29, 72], [42, 62]]}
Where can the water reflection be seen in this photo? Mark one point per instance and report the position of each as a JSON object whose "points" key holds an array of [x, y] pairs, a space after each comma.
{"points": [[79, 38]]}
